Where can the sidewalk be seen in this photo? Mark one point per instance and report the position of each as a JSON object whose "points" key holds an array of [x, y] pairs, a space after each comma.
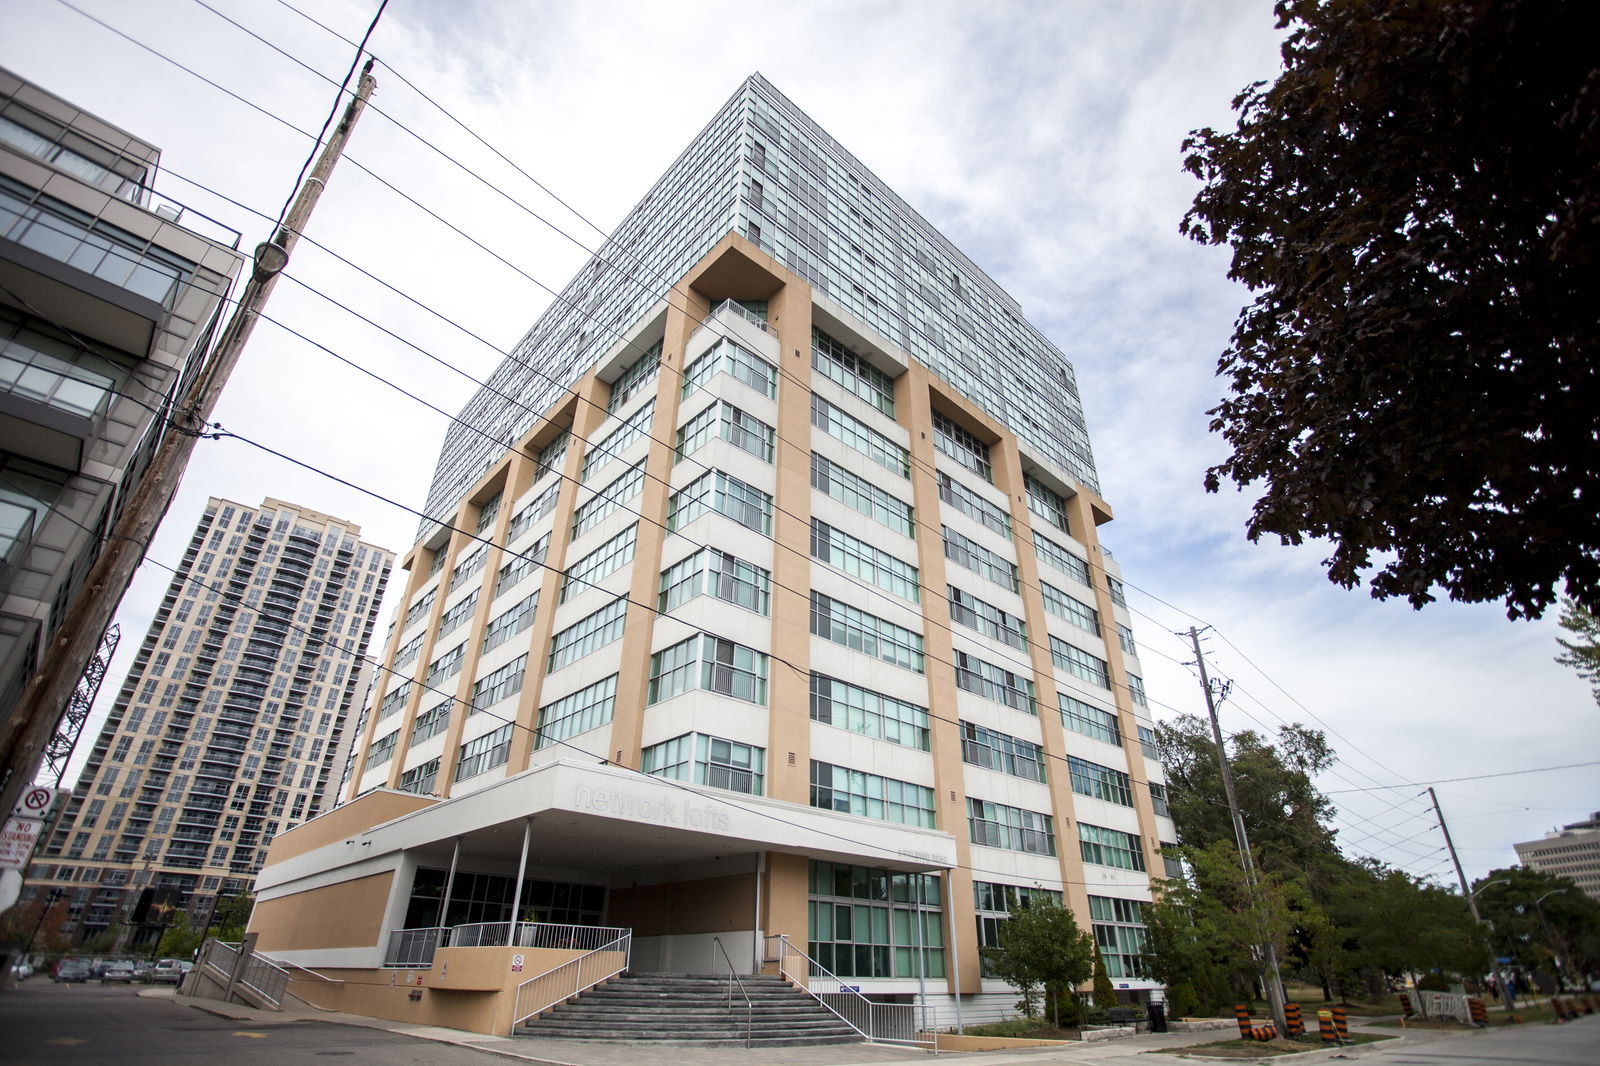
{"points": [[597, 1053]]}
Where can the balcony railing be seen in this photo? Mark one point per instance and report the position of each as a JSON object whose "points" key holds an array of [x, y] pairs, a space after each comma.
{"points": [[414, 948]]}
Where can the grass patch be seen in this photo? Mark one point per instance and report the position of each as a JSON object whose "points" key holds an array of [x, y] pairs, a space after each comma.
{"points": [[1023, 1029], [1256, 1049]]}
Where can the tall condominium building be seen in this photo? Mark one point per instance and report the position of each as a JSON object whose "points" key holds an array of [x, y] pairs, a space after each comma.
{"points": [[1571, 851], [783, 613], [226, 728], [108, 292]]}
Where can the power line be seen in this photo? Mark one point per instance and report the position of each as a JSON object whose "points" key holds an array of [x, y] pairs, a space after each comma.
{"points": [[1473, 777]]}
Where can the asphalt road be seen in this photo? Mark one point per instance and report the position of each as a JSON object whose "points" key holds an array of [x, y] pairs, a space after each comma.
{"points": [[1573, 1044], [45, 1024]]}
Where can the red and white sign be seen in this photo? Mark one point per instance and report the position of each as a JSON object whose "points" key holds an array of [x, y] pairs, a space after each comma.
{"points": [[35, 802], [17, 841], [516, 963]]}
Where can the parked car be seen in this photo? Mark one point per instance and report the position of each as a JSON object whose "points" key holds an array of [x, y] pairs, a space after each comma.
{"points": [[117, 973], [71, 971], [169, 971]]}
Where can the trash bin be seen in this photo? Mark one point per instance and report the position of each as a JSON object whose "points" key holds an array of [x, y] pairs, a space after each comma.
{"points": [[1157, 1013]]}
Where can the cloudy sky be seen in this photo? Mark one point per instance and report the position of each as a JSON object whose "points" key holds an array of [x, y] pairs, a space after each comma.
{"points": [[1041, 138]]}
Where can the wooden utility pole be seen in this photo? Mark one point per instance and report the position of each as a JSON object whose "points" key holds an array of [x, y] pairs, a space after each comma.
{"points": [[39, 708], [1268, 952]]}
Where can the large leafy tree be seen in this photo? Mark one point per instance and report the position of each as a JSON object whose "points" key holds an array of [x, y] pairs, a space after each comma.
{"points": [[1041, 948], [1414, 205], [1538, 918]]}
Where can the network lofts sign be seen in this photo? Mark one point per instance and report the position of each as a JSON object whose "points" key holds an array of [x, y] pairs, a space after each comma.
{"points": [[621, 803]]}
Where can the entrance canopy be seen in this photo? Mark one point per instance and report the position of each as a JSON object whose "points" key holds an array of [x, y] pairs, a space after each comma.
{"points": [[606, 819]]}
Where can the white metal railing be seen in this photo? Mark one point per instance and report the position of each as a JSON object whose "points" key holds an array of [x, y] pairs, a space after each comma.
{"points": [[217, 959], [479, 935], [539, 993], [414, 948], [265, 978], [743, 312], [883, 1023], [735, 979]]}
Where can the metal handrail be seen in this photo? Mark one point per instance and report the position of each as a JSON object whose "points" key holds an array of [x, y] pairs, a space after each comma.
{"points": [[309, 970], [743, 312], [733, 978], [882, 1023], [543, 991]]}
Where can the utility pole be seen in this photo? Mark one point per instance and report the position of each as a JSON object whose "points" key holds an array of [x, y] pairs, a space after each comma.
{"points": [[33, 719], [1267, 952], [1472, 901]]}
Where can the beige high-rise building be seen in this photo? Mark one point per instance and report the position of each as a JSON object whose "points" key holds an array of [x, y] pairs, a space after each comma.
{"points": [[1571, 851], [227, 727], [783, 614]]}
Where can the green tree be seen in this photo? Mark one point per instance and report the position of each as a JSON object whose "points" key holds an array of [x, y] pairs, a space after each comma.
{"points": [[1413, 205], [1105, 994], [1041, 947], [1539, 918], [1583, 652]]}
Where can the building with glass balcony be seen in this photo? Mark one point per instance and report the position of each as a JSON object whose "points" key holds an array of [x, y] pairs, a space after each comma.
{"points": [[108, 294], [230, 725], [777, 623]]}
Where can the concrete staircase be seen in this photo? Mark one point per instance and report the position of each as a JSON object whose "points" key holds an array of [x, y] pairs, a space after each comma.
{"points": [[688, 1008]]}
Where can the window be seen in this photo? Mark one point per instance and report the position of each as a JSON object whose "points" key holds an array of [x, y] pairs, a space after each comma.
{"points": [[872, 714], [974, 506], [1109, 847], [962, 446], [1125, 638], [1170, 862], [860, 377], [521, 566], [639, 373], [421, 779], [487, 513], [1136, 690], [382, 749], [606, 559], [1147, 742], [608, 499], [994, 683], [588, 634], [510, 622], [860, 559], [395, 700], [1052, 554], [724, 420], [860, 436], [1120, 932], [588, 708], [613, 444], [1070, 609], [727, 357], [485, 753], [868, 634], [1158, 800], [979, 560], [1091, 721], [541, 505], [1046, 503], [717, 573], [1100, 782], [47, 368], [728, 496], [468, 566], [1079, 663], [994, 905], [457, 614], [865, 922], [996, 825], [1002, 752], [861, 495], [552, 454], [431, 722], [498, 685], [1114, 586], [707, 760], [710, 663], [839, 788], [419, 610], [408, 652], [987, 619], [446, 666]]}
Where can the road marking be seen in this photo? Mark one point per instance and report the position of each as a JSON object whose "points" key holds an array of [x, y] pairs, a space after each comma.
{"points": [[68, 1041], [253, 1036]]}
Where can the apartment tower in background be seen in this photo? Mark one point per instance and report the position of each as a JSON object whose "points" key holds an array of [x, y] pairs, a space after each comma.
{"points": [[108, 294], [1571, 851], [226, 728], [783, 614]]}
